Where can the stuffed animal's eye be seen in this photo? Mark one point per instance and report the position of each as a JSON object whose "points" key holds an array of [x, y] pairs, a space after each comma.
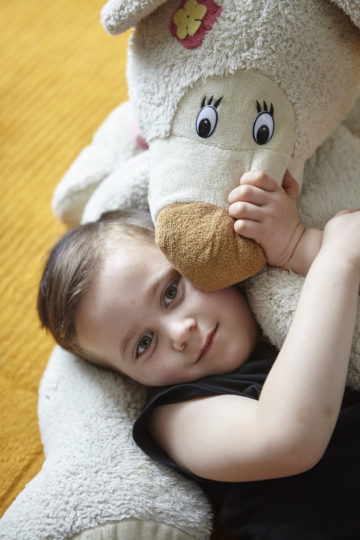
{"points": [[263, 128], [207, 118], [206, 121]]}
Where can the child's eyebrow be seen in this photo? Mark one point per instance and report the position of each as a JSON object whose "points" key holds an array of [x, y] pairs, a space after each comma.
{"points": [[157, 286]]}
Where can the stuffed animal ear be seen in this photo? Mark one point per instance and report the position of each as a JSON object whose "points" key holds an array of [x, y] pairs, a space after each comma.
{"points": [[120, 15], [351, 8]]}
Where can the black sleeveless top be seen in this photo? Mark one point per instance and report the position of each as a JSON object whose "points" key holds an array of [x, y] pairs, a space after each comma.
{"points": [[320, 504]]}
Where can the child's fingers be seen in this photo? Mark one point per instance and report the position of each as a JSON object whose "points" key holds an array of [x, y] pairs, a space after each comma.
{"points": [[248, 193], [248, 228], [244, 210], [259, 179]]}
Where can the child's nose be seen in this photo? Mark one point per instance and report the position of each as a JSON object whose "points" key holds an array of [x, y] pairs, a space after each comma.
{"points": [[181, 333]]}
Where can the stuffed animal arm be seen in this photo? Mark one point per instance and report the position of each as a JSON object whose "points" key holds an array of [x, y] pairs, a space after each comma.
{"points": [[95, 482], [116, 156]]}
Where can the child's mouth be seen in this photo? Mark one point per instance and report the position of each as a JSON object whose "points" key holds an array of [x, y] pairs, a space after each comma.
{"points": [[208, 343]]}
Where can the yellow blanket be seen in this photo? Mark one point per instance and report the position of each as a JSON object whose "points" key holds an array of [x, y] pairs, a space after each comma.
{"points": [[60, 76]]}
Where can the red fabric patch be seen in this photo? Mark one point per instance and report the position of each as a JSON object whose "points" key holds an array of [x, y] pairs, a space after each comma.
{"points": [[188, 23], [137, 137]]}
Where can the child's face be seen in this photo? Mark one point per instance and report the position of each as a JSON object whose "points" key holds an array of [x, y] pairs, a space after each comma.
{"points": [[145, 320]]}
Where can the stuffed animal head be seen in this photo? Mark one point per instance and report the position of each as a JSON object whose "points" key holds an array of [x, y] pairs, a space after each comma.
{"points": [[219, 88]]}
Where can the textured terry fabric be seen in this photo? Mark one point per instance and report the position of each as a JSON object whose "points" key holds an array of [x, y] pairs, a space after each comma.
{"points": [[301, 45], [316, 505], [61, 74], [133, 529]]}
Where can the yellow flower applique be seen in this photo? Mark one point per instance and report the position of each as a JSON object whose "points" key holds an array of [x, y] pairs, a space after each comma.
{"points": [[188, 18], [192, 20]]}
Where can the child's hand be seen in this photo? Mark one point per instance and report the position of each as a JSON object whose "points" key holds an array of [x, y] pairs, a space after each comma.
{"points": [[267, 213]]}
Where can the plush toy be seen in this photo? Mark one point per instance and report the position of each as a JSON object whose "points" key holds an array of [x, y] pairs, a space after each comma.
{"points": [[222, 87], [300, 60], [178, 88]]}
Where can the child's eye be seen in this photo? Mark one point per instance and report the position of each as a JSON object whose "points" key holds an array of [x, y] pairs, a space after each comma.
{"points": [[144, 343], [170, 294]]}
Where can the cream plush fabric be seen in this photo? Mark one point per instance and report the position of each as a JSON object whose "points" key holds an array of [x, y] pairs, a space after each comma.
{"points": [[269, 37], [113, 146], [95, 482], [185, 53], [134, 529]]}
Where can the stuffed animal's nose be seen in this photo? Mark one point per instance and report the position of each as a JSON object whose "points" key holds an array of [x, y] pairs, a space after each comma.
{"points": [[199, 241]]}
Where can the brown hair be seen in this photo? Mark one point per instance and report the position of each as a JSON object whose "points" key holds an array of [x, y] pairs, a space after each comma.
{"points": [[73, 263]]}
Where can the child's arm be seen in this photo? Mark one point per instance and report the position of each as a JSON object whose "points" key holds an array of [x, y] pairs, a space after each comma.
{"points": [[267, 213], [234, 438]]}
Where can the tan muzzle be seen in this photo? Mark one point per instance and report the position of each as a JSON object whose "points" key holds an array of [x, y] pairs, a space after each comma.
{"points": [[200, 242]]}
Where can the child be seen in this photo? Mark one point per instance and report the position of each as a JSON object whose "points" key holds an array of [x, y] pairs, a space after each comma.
{"points": [[250, 425]]}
